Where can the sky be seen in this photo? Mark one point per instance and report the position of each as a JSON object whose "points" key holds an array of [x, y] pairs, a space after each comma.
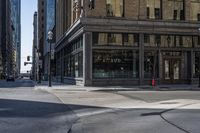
{"points": [[28, 7]]}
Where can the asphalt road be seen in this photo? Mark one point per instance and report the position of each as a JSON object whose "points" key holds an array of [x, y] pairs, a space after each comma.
{"points": [[25, 110], [134, 112]]}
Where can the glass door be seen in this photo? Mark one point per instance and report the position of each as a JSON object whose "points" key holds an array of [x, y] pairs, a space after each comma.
{"points": [[172, 69]]}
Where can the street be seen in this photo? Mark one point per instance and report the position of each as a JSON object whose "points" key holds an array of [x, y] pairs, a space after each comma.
{"points": [[134, 111], [25, 110]]}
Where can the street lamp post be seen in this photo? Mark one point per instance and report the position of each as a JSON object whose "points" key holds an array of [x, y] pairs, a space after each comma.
{"points": [[50, 38], [199, 57], [39, 67]]}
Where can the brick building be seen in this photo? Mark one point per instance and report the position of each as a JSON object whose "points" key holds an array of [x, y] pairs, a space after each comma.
{"points": [[127, 42]]}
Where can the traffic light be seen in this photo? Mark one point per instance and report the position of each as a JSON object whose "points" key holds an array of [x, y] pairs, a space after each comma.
{"points": [[28, 58], [92, 4]]}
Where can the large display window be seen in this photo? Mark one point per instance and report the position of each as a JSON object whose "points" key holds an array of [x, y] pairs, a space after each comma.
{"points": [[115, 64], [196, 66]]}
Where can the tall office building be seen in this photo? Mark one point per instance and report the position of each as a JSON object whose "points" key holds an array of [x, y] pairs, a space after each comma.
{"points": [[16, 22], [128, 42], [49, 25], [1, 60], [6, 39], [41, 34], [35, 56], [46, 22]]}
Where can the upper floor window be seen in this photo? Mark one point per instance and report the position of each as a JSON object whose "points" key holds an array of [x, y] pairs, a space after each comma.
{"points": [[153, 9], [174, 10], [195, 10], [115, 8]]}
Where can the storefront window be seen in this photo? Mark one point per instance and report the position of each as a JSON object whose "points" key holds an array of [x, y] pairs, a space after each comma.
{"points": [[150, 64], [170, 41], [73, 59], [58, 64], [115, 8], [130, 39], [174, 10], [195, 10], [153, 9], [187, 41], [197, 64], [117, 39], [100, 38], [80, 64], [151, 40], [167, 41], [73, 65], [115, 64]]}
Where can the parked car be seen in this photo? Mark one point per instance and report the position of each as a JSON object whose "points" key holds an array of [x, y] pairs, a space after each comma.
{"points": [[10, 78]]}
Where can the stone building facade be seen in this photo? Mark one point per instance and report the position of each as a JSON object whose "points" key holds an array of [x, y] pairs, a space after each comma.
{"points": [[127, 42]]}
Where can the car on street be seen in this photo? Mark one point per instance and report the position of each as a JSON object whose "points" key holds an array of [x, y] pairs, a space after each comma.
{"points": [[10, 78]]}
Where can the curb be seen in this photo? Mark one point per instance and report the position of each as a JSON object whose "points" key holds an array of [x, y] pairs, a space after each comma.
{"points": [[69, 130]]}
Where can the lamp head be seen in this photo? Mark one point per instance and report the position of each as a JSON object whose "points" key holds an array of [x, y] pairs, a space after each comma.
{"points": [[50, 35]]}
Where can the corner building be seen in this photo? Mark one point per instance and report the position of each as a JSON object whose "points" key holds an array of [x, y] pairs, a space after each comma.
{"points": [[128, 42]]}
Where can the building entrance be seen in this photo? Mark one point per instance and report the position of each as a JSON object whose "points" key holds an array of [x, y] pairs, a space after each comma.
{"points": [[172, 70]]}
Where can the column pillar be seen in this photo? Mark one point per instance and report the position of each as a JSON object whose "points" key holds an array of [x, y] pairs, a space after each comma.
{"points": [[141, 59], [62, 65], [160, 66], [87, 59], [192, 58]]}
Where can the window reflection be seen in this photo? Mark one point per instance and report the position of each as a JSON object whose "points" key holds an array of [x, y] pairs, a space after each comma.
{"points": [[170, 41], [195, 10], [149, 59], [114, 8], [197, 64], [115, 64], [73, 60], [150, 40], [117, 39], [174, 10], [153, 9]]}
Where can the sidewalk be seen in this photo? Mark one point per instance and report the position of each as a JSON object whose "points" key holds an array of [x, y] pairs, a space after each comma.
{"points": [[61, 86]]}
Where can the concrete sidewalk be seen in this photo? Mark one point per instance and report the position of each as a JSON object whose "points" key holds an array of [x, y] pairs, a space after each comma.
{"points": [[101, 112], [61, 86]]}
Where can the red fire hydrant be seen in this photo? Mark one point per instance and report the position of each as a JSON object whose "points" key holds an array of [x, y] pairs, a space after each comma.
{"points": [[153, 82]]}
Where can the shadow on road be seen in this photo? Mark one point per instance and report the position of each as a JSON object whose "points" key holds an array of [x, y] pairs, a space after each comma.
{"points": [[33, 109], [19, 108]]}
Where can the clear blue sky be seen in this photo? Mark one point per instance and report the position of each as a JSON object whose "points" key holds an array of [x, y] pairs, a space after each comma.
{"points": [[28, 7]]}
